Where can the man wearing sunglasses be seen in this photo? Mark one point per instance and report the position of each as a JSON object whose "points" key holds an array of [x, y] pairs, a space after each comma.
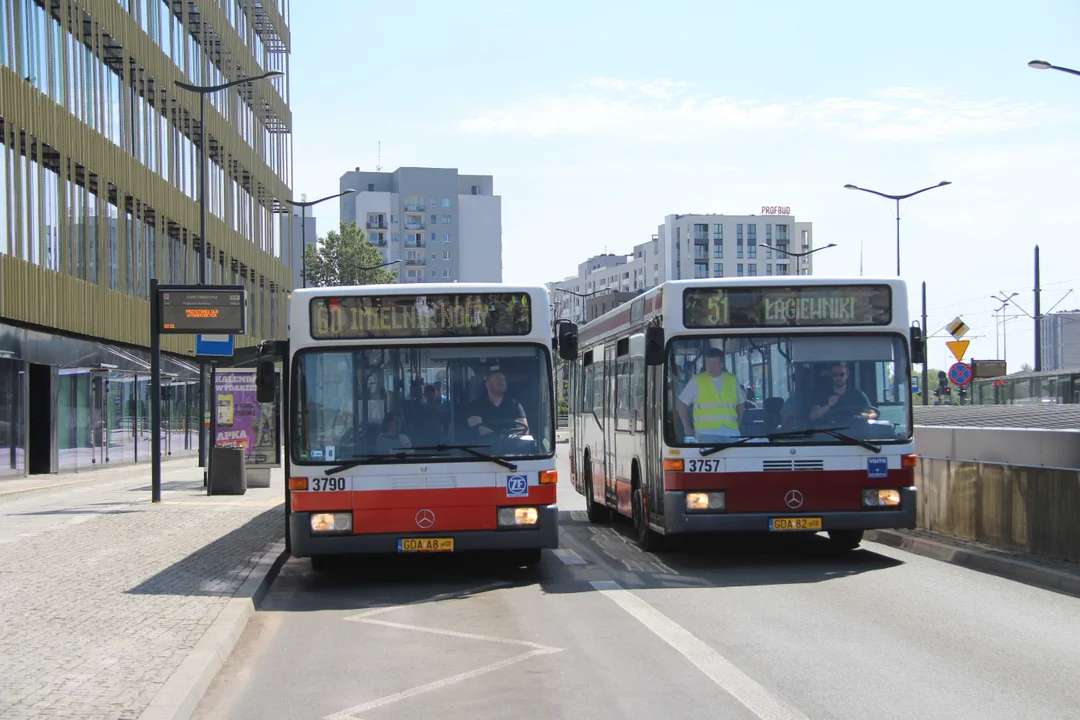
{"points": [[843, 402]]}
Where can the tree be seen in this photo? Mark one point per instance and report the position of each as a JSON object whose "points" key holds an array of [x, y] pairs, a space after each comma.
{"points": [[340, 259], [1026, 368]]}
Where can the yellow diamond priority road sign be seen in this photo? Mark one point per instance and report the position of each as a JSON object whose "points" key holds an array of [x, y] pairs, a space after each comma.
{"points": [[957, 328]]}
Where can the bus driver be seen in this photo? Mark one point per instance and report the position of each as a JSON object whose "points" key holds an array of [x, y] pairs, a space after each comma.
{"points": [[715, 397]]}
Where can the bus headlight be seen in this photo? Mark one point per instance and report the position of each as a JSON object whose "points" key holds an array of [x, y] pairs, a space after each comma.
{"points": [[331, 522], [705, 501], [880, 498], [515, 516]]}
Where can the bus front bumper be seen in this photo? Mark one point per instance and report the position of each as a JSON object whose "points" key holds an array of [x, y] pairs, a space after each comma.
{"points": [[677, 520], [307, 544]]}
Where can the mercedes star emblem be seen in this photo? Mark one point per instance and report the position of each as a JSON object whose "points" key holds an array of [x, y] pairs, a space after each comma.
{"points": [[793, 500], [425, 518]]}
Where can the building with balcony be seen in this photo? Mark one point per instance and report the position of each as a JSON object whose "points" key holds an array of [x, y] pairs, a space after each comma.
{"points": [[442, 225], [689, 246], [711, 245], [99, 195]]}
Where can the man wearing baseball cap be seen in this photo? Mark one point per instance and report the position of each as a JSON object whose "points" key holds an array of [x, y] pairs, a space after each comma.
{"points": [[715, 397]]}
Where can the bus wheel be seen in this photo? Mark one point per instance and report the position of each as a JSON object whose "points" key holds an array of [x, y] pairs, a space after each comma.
{"points": [[597, 513], [845, 539], [649, 539]]}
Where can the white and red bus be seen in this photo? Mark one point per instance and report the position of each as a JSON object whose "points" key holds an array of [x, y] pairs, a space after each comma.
{"points": [[420, 418], [777, 404]]}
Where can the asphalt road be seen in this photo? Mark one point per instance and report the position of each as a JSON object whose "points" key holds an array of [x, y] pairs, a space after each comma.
{"points": [[774, 628]]}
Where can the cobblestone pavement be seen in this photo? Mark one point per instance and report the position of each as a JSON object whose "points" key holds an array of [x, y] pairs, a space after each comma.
{"points": [[1059, 564], [95, 616]]}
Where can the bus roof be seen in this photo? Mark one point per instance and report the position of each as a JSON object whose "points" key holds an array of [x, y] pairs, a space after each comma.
{"points": [[652, 301], [415, 289]]}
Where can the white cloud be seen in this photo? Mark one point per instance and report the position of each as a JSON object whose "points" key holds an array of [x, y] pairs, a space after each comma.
{"points": [[667, 110]]}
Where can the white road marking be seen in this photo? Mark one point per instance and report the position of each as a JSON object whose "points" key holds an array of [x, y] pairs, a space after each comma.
{"points": [[569, 557], [755, 697], [352, 713], [454, 633], [578, 516], [365, 617], [433, 598]]}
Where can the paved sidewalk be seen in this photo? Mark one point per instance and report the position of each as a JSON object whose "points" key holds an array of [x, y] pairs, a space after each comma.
{"points": [[1054, 573], [103, 595]]}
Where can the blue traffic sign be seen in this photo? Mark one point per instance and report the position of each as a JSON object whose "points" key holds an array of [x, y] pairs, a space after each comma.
{"points": [[217, 345], [914, 383], [960, 373]]}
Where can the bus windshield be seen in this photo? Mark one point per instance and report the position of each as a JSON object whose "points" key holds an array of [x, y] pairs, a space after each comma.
{"points": [[355, 403], [720, 389]]}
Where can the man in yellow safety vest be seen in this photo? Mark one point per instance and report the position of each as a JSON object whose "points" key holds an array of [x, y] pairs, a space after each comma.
{"points": [[715, 397]]}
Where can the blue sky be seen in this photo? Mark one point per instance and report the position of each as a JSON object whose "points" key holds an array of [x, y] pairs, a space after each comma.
{"points": [[598, 119]]}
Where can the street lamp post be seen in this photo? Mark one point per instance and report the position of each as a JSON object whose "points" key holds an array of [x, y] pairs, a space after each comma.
{"points": [[797, 254], [203, 91], [1043, 65], [897, 198], [304, 205]]}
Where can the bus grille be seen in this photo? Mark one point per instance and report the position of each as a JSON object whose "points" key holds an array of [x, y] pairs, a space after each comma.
{"points": [[424, 483], [792, 465]]}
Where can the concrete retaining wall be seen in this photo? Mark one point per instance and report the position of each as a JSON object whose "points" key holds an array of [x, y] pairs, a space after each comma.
{"points": [[1014, 489]]}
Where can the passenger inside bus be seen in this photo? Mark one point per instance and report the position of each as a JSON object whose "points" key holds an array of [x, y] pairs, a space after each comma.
{"points": [[390, 438]]}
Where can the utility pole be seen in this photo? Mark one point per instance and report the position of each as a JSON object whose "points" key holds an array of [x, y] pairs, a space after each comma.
{"points": [[1038, 315], [926, 351]]}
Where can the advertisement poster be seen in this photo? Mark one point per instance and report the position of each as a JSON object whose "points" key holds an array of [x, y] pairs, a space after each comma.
{"points": [[241, 421]]}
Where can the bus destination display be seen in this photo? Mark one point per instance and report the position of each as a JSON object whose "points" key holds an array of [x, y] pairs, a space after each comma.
{"points": [[809, 306], [426, 316], [206, 310]]}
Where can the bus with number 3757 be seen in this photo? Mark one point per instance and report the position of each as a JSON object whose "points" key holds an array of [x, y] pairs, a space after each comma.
{"points": [[418, 418], [779, 404]]}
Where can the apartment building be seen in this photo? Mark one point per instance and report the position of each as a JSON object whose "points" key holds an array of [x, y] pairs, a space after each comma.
{"points": [[443, 226], [701, 246], [1060, 339], [99, 194], [691, 246]]}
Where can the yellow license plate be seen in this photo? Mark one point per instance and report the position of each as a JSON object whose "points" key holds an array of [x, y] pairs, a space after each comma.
{"points": [[795, 524], [425, 545]]}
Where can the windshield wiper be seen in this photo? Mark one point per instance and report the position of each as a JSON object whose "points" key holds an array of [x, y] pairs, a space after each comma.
{"points": [[471, 449], [717, 448], [834, 432], [367, 460]]}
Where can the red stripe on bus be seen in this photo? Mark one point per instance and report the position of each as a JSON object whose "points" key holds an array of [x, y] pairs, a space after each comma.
{"points": [[767, 491], [419, 499]]}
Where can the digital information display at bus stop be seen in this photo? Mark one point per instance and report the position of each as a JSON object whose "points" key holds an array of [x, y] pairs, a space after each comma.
{"points": [[205, 310], [780, 306], [420, 316]]}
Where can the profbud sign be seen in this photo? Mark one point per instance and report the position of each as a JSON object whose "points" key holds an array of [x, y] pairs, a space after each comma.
{"points": [[775, 210]]}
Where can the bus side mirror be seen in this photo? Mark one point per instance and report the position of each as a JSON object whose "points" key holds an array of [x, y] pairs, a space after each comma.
{"points": [[568, 341], [654, 345], [265, 382], [918, 346]]}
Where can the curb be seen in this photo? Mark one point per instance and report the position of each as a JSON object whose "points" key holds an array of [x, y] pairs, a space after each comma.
{"points": [[1010, 568], [181, 694]]}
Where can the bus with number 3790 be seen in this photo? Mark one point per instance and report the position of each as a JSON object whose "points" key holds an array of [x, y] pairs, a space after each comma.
{"points": [[778, 404], [418, 418]]}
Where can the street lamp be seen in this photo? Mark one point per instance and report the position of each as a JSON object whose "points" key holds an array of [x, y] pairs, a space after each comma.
{"points": [[304, 205], [797, 254], [897, 198], [376, 267], [203, 91], [1043, 65]]}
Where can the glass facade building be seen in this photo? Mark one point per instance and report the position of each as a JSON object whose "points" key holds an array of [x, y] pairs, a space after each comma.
{"points": [[99, 160]]}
